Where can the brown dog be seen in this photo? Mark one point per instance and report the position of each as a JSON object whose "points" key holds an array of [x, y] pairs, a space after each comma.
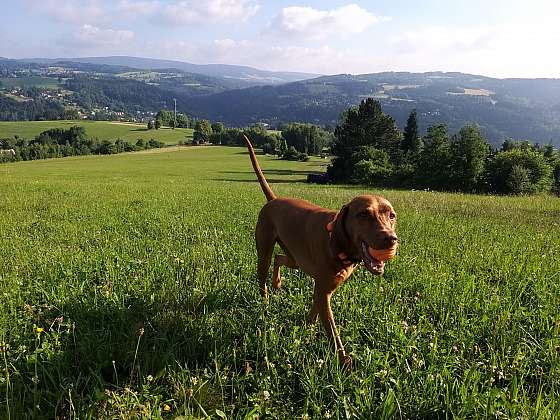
{"points": [[325, 244]]}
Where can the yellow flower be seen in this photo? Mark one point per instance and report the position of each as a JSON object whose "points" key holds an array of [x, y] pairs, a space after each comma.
{"points": [[166, 407], [39, 330]]}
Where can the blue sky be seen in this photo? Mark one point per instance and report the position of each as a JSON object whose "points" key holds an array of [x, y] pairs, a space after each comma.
{"points": [[496, 38]]}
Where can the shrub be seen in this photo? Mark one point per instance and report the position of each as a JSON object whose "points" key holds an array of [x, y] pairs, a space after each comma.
{"points": [[293, 154], [520, 170]]}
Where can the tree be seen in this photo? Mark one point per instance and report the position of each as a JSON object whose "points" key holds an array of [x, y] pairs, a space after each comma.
{"points": [[469, 151], [371, 166], [434, 165], [202, 131], [166, 117], [157, 124], [520, 170], [151, 125], [218, 127], [306, 138], [365, 125], [182, 121], [411, 141], [258, 134]]}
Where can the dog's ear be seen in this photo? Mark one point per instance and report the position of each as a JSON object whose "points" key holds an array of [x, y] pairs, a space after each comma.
{"points": [[340, 234]]}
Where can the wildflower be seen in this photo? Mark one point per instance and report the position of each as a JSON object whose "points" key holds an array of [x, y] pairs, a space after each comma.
{"points": [[39, 330], [248, 369], [320, 363], [141, 332], [166, 407], [150, 378], [265, 395], [405, 326], [455, 349]]}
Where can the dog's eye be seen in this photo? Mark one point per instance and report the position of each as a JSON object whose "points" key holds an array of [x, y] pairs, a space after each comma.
{"points": [[364, 214], [392, 215]]}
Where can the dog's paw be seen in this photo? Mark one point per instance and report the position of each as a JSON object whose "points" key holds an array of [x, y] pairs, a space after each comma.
{"points": [[346, 361]]}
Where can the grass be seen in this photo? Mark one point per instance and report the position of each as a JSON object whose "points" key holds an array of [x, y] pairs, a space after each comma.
{"points": [[104, 130], [140, 271]]}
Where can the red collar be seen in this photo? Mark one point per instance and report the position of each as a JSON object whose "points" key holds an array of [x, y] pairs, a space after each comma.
{"points": [[341, 255]]}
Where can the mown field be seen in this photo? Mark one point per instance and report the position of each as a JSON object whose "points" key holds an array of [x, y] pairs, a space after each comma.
{"points": [[129, 290], [103, 130]]}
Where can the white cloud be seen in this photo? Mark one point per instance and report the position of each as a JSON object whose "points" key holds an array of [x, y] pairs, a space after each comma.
{"points": [[303, 21], [508, 50], [70, 11], [261, 54], [90, 38], [208, 11], [133, 8]]}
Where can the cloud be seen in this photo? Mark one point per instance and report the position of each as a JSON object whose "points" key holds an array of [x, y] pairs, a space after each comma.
{"points": [[261, 54], [133, 8], [91, 38], [159, 11], [303, 21], [208, 11], [70, 11], [508, 50]]}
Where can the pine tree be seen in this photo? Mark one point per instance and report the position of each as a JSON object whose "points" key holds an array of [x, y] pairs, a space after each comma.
{"points": [[412, 141]]}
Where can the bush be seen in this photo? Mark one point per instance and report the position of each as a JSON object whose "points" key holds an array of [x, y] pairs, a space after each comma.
{"points": [[268, 149], [520, 170], [518, 181], [155, 144], [293, 154]]}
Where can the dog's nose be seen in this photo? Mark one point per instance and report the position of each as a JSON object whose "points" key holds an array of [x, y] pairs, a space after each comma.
{"points": [[391, 239]]}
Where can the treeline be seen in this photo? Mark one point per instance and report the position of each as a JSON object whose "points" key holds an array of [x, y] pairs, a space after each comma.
{"points": [[36, 109], [115, 94], [294, 141], [73, 141], [370, 149]]}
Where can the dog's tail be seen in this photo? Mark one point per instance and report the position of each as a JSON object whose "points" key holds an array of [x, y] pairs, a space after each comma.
{"points": [[262, 180]]}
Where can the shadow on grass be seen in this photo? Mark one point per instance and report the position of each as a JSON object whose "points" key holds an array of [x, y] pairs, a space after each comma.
{"points": [[285, 172], [110, 345], [270, 180]]}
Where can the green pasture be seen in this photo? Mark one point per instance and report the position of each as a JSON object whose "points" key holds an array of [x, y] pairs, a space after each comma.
{"points": [[30, 81], [129, 290], [104, 130]]}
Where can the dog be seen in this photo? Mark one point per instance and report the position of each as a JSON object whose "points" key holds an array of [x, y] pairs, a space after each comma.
{"points": [[325, 244]]}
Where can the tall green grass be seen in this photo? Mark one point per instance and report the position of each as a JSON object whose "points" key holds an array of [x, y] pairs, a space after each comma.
{"points": [[129, 290]]}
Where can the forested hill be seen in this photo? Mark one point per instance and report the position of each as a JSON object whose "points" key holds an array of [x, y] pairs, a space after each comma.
{"points": [[522, 109], [517, 108]]}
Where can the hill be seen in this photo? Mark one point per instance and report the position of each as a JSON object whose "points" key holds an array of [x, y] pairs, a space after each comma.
{"points": [[517, 108], [523, 109], [245, 74]]}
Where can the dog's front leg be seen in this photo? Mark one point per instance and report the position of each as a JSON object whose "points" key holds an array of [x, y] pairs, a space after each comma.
{"points": [[322, 307]]}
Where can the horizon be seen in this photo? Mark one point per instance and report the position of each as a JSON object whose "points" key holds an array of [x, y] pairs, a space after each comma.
{"points": [[500, 40], [69, 59]]}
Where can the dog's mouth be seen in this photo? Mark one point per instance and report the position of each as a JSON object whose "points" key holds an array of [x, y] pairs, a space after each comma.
{"points": [[372, 264]]}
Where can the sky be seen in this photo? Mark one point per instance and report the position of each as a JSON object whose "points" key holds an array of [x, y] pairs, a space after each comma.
{"points": [[499, 38]]}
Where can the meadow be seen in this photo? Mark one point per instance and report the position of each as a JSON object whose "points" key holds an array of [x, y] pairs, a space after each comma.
{"points": [[103, 130], [30, 81], [129, 290]]}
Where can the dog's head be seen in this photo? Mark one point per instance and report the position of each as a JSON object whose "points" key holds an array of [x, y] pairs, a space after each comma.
{"points": [[365, 230]]}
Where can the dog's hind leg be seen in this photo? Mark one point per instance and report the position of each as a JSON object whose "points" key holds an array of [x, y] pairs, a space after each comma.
{"points": [[265, 238], [279, 261]]}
